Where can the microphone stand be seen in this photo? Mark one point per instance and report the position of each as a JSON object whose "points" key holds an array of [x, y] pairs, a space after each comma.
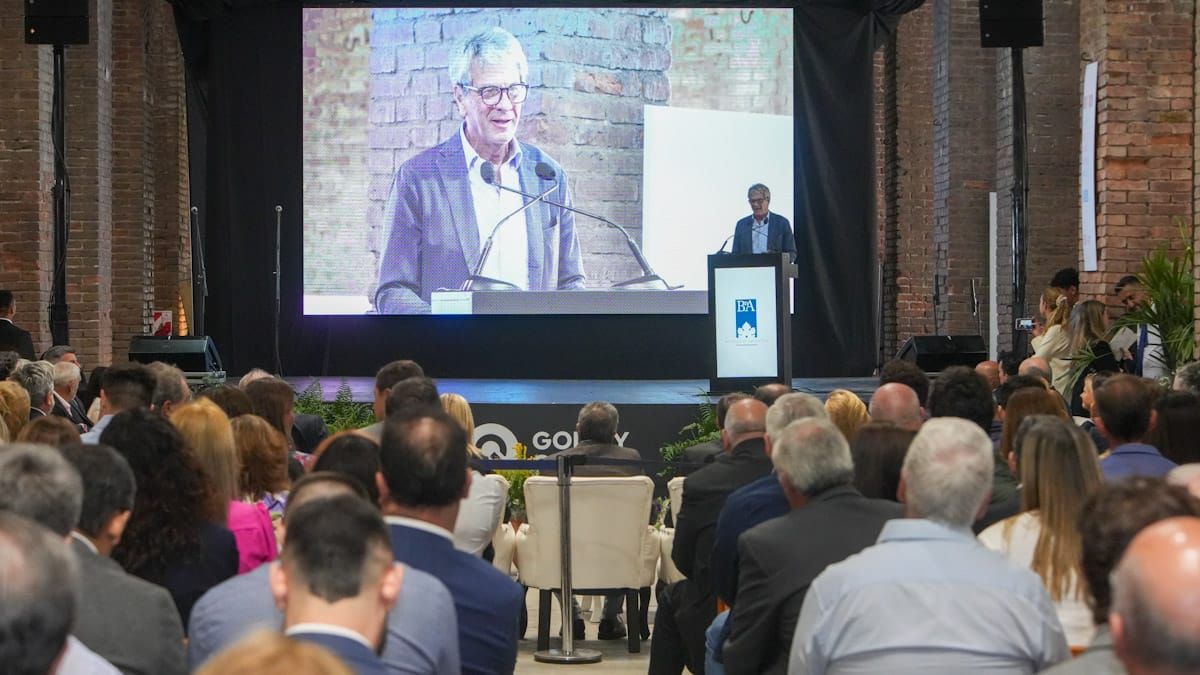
{"points": [[499, 284]]}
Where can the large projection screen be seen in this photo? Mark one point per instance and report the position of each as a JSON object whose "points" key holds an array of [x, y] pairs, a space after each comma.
{"points": [[655, 119]]}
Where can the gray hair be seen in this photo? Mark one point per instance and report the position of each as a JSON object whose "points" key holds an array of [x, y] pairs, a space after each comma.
{"points": [[37, 378], [791, 407], [38, 483], [66, 374], [759, 187], [39, 580], [55, 353], [812, 455], [1188, 377], [598, 422], [254, 374], [948, 471], [170, 385], [493, 46]]}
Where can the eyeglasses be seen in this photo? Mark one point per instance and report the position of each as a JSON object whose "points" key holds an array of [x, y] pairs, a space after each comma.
{"points": [[491, 95], [761, 200]]}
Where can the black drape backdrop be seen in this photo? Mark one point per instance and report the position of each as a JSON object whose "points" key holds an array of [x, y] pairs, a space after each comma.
{"points": [[244, 103]]}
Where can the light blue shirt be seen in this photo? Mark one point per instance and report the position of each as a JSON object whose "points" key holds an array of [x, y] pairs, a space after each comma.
{"points": [[758, 234], [926, 599], [422, 630], [93, 436]]}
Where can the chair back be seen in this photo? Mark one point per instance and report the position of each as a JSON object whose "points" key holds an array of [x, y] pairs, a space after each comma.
{"points": [[675, 492]]}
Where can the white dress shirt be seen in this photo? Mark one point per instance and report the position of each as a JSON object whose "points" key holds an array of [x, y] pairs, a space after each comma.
{"points": [[509, 257], [478, 513]]}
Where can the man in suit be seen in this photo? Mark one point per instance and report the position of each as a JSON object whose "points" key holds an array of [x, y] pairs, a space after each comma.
{"points": [[336, 580], [703, 453], [386, 378], [170, 388], [12, 337], [763, 231], [131, 622], [422, 637], [686, 609], [441, 209], [37, 378], [1147, 351], [829, 522], [67, 379], [424, 476]]}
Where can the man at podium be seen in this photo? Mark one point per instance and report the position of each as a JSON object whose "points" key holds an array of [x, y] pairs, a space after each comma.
{"points": [[763, 231]]}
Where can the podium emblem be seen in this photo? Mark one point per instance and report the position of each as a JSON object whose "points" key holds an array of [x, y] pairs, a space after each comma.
{"points": [[745, 314]]}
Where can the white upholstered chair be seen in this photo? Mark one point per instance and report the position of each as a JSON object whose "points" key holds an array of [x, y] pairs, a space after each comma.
{"points": [[504, 540], [612, 547], [675, 492]]}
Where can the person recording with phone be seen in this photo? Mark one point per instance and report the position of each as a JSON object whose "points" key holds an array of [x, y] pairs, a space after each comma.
{"points": [[763, 231]]}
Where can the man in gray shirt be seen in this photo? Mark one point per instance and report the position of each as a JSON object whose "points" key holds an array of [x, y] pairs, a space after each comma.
{"points": [[422, 630]]}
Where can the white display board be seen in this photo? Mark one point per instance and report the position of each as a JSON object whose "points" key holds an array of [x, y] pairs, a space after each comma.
{"points": [[1087, 168], [745, 315]]}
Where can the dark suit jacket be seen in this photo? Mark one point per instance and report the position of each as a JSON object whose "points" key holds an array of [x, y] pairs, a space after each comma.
{"points": [[488, 603], [189, 576], [355, 655], [700, 453], [73, 412], [602, 451], [704, 494], [779, 235], [751, 505], [308, 431], [130, 622], [780, 559], [35, 413], [15, 339], [432, 240]]}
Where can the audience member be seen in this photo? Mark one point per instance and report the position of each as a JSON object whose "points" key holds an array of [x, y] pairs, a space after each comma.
{"points": [[336, 581], [49, 430], [11, 336], [207, 431], [229, 398], [1036, 366], [1187, 378], [424, 478], [170, 388], [413, 395], [1156, 591], [422, 631], [126, 386], [1026, 403], [386, 378], [1186, 476], [1108, 521], [906, 373], [460, 409], [686, 608], [1124, 414], [266, 652], [990, 371], [1087, 399], [130, 622], [1010, 365], [38, 484], [1050, 342], [1014, 384], [897, 403], [89, 393], [353, 455], [1147, 352], [486, 498], [707, 451], [596, 428], [37, 378], [875, 611], [1176, 431], [8, 361], [273, 400], [67, 378], [778, 560], [1066, 280], [1058, 469], [1087, 329], [878, 453], [847, 412], [263, 455], [14, 405], [62, 354], [171, 538], [769, 393]]}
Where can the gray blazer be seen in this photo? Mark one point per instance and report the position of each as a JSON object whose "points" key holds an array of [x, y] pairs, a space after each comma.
{"points": [[1098, 659], [130, 622], [605, 451], [433, 240]]}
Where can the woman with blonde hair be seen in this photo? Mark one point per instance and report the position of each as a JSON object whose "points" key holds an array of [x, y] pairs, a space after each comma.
{"points": [[206, 428], [14, 406], [1050, 339], [263, 453], [1059, 471], [457, 407], [1087, 331], [486, 498], [847, 412]]}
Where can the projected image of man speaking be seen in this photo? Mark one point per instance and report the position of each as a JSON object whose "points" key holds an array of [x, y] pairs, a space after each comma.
{"points": [[445, 202]]}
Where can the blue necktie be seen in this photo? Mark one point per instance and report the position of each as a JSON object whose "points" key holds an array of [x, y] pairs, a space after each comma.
{"points": [[1140, 357]]}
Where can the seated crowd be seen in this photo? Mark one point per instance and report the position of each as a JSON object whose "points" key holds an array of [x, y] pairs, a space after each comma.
{"points": [[973, 522]]}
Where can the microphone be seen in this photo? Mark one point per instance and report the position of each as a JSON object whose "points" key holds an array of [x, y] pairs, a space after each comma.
{"points": [[488, 173], [649, 278], [726, 243]]}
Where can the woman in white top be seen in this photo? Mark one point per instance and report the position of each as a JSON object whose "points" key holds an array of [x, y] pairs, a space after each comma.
{"points": [[483, 507], [1058, 470], [1050, 340]]}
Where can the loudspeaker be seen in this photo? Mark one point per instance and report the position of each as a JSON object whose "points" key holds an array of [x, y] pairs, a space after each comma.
{"points": [[933, 353], [189, 354], [1010, 23], [56, 22]]}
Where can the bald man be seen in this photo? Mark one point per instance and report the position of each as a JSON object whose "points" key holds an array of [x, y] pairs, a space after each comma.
{"points": [[897, 403], [687, 608], [1155, 619], [990, 370], [1186, 476], [1036, 366]]}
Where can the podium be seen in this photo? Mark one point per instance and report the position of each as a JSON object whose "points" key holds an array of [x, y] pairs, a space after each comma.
{"points": [[749, 314]]}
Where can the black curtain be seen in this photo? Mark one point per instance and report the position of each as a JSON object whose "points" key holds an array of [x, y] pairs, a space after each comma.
{"points": [[244, 114]]}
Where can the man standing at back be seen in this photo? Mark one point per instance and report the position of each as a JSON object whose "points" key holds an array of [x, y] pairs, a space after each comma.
{"points": [[424, 476], [12, 337], [928, 597]]}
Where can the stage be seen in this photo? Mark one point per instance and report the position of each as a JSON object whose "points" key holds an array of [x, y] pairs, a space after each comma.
{"points": [[541, 413]]}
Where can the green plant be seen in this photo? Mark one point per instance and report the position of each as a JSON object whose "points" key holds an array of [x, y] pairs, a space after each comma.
{"points": [[339, 414], [702, 430], [1169, 306], [516, 491]]}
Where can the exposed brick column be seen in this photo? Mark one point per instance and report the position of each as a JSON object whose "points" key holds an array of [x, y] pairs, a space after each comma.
{"points": [[1145, 123], [963, 161], [90, 149], [26, 173]]}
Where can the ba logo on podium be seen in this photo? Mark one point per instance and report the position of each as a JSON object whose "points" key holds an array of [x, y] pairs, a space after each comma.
{"points": [[745, 314]]}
